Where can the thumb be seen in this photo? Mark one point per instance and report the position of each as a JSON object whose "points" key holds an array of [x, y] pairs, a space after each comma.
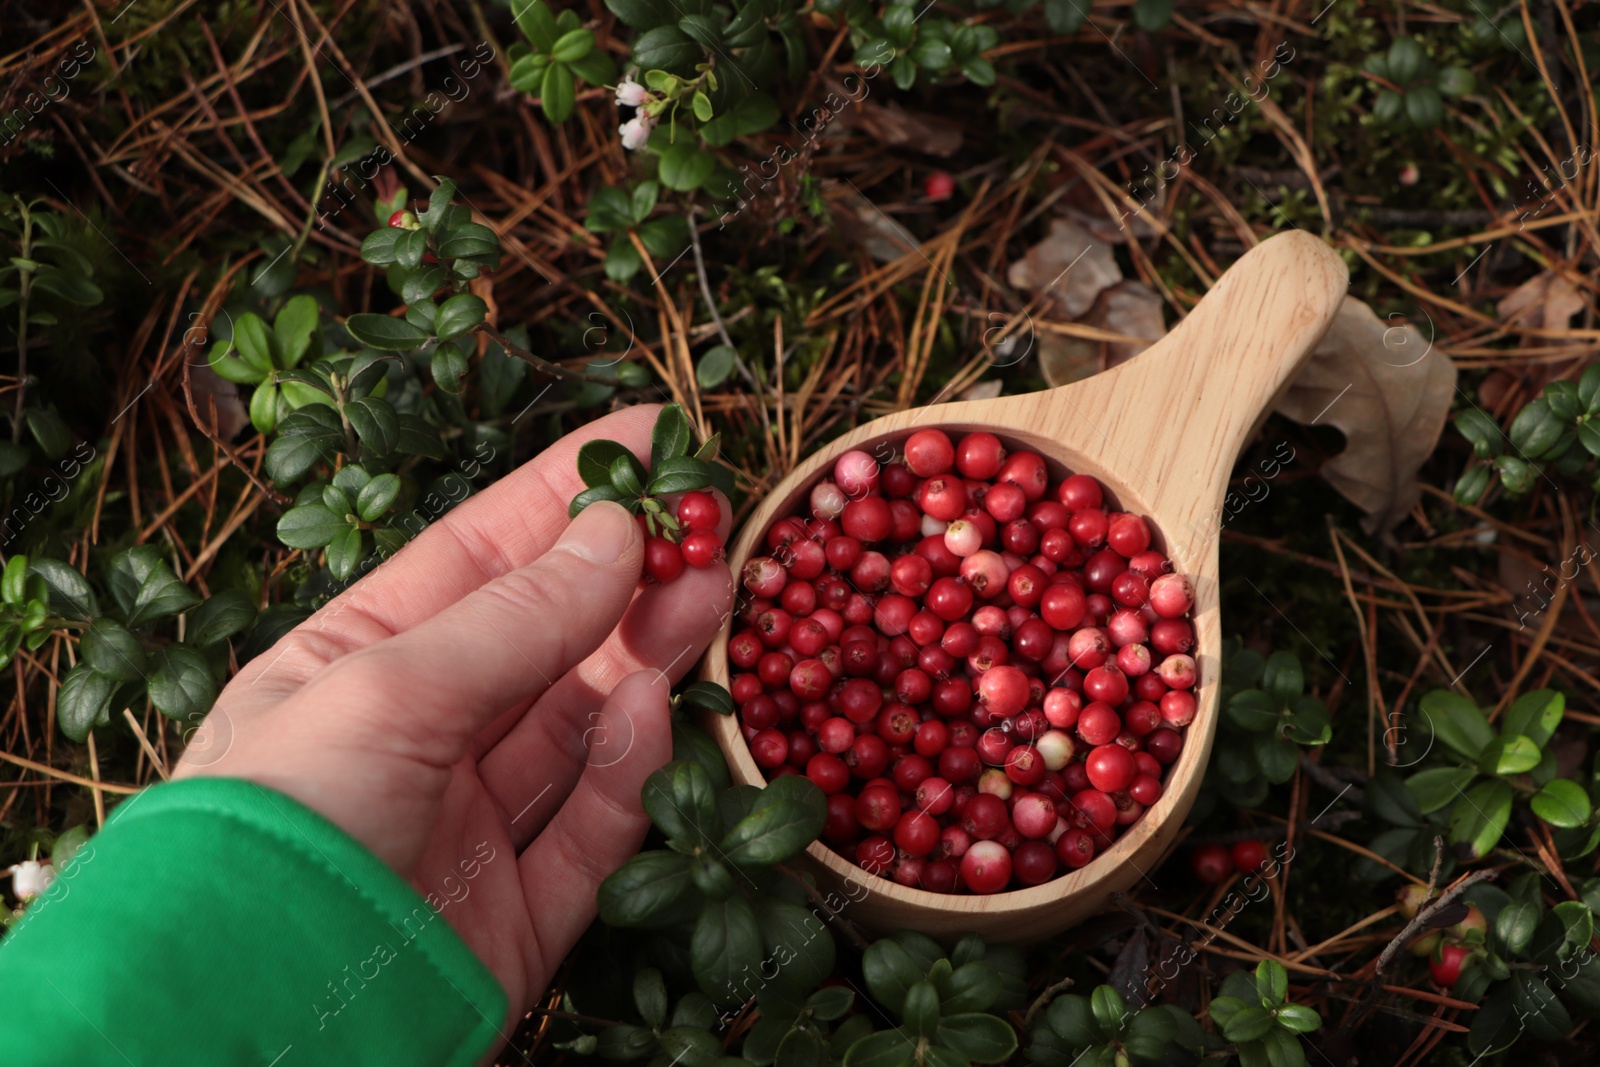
{"points": [[506, 641]]}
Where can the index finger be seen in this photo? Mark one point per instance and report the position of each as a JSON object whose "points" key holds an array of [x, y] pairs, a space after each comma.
{"points": [[507, 526]]}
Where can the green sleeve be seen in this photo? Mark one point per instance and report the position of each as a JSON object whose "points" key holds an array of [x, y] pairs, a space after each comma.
{"points": [[214, 921]]}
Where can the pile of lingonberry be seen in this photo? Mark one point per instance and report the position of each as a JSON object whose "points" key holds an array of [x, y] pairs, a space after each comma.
{"points": [[986, 673]]}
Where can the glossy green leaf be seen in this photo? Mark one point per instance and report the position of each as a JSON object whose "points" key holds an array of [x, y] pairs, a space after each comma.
{"points": [[595, 459], [1480, 816], [1509, 755], [69, 591], [679, 475], [219, 618], [671, 437], [1562, 803], [887, 1048], [1457, 722], [459, 314], [112, 650], [681, 800], [1438, 787], [708, 695], [145, 587], [1535, 715], [786, 817], [980, 1037], [84, 700], [375, 423], [384, 332], [889, 971], [181, 683], [625, 472], [310, 526], [305, 438], [344, 553], [376, 496], [1515, 924], [591, 496], [644, 889], [726, 945]]}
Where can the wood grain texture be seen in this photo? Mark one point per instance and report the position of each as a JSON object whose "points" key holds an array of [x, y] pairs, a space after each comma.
{"points": [[1162, 432]]}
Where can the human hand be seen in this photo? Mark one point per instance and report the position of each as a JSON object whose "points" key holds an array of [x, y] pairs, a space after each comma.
{"points": [[499, 684]]}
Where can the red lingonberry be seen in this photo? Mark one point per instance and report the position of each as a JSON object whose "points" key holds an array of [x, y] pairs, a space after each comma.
{"points": [[938, 185], [1211, 863], [663, 560], [1249, 854], [699, 511]]}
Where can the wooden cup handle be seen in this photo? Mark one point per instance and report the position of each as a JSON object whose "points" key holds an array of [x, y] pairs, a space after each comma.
{"points": [[1192, 399]]}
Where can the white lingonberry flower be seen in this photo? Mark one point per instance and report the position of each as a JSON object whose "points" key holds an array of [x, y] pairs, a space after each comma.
{"points": [[30, 878], [636, 131], [631, 94]]}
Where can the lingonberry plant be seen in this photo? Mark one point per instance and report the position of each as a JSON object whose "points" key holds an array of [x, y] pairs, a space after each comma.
{"points": [[675, 534], [1254, 1013], [1558, 432], [1102, 1030], [1411, 88], [1267, 717], [954, 610]]}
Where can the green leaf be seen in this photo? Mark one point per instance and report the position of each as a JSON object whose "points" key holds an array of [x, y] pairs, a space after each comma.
{"points": [[831, 1002], [685, 166], [889, 1048], [1484, 433], [14, 583], [595, 68], [375, 423], [1255, 710], [533, 18], [378, 248], [49, 431], [376, 496], [1480, 816], [255, 345], [69, 591], [642, 14], [448, 366], [1272, 981], [527, 73], [409, 249], [609, 210], [889, 971], [666, 48], [625, 472], [309, 526], [715, 367], [572, 46], [294, 328], [921, 1009], [622, 260], [1276, 757], [473, 239], [644, 889], [384, 333], [343, 554], [181, 683], [679, 475], [980, 1037], [665, 238], [1517, 475], [752, 114], [113, 651], [787, 817], [1110, 1010], [417, 438], [681, 801], [1299, 1018], [725, 946], [1562, 803], [1437, 787], [671, 437], [145, 587], [1515, 924], [1283, 677], [650, 996], [1457, 722], [305, 437], [701, 104], [595, 459], [84, 699], [1535, 715], [1509, 755], [591, 496], [1250, 1023], [708, 695], [1565, 931], [556, 95], [264, 404], [219, 618]]}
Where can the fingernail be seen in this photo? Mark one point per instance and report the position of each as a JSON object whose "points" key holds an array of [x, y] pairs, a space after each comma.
{"points": [[602, 532]]}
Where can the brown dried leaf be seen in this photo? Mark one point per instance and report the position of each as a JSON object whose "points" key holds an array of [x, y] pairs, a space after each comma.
{"points": [[1545, 301], [211, 388], [1070, 268], [1064, 360], [1389, 390], [1134, 309]]}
